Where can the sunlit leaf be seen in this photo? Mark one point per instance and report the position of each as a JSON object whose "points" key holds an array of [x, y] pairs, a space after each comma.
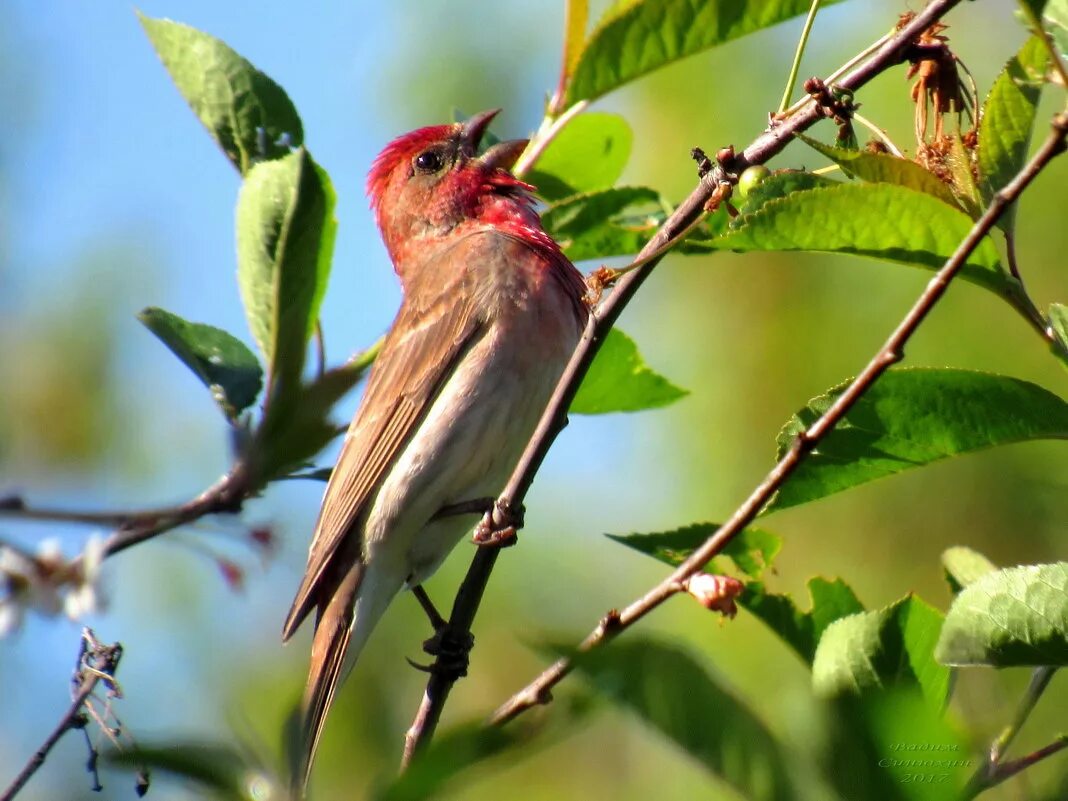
{"points": [[589, 154], [1013, 617], [830, 600], [891, 647], [248, 114], [882, 221], [913, 417], [963, 566], [675, 695], [576, 17], [752, 550], [635, 38], [884, 168], [598, 225], [285, 233], [1008, 119], [777, 185], [620, 381], [220, 360]]}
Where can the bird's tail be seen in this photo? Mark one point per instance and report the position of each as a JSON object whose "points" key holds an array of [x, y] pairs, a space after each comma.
{"points": [[341, 631]]}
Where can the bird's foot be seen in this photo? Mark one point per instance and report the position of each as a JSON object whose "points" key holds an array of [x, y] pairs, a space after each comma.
{"points": [[500, 525], [450, 651], [469, 507]]}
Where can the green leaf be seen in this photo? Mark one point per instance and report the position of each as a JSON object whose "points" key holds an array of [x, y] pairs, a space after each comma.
{"points": [[884, 168], [1058, 320], [882, 221], [448, 755], [831, 600], [1007, 120], [891, 647], [672, 693], [1055, 18], [220, 360], [226, 772], [1014, 617], [295, 430], [620, 381], [588, 155], [752, 550], [248, 114], [612, 222], [285, 235], [576, 18], [778, 185], [912, 417], [635, 38], [963, 566]]}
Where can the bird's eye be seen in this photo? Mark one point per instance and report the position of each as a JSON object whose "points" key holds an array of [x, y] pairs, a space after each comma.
{"points": [[428, 161]]}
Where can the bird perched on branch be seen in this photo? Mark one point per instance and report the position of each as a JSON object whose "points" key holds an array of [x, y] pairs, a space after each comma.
{"points": [[491, 312]]}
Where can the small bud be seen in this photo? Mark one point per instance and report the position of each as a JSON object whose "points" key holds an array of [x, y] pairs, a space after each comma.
{"points": [[715, 593], [232, 574]]}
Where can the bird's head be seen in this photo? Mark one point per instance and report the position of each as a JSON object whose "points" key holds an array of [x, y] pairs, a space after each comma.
{"points": [[427, 182]]}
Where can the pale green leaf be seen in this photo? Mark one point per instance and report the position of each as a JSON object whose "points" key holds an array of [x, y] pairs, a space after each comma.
{"points": [[588, 155]]}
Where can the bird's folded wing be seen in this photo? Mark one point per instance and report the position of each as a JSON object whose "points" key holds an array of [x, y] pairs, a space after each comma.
{"points": [[419, 354]]}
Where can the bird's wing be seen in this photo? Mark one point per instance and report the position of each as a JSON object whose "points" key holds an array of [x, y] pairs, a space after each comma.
{"points": [[428, 337]]}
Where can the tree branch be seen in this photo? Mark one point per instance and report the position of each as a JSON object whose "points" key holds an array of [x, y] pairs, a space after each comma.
{"points": [[891, 352], [769, 144], [96, 663]]}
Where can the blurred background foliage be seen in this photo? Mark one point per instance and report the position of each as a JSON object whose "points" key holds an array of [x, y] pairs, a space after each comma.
{"points": [[113, 199]]}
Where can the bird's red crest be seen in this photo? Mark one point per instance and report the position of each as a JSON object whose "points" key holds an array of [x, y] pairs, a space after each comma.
{"points": [[399, 151]]}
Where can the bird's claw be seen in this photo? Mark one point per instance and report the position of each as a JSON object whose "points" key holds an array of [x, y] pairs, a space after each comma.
{"points": [[499, 527], [450, 652]]}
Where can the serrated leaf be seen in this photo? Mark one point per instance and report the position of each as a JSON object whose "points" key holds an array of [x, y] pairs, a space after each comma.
{"points": [[778, 185], [830, 601], [881, 221], [588, 155], [891, 647], [285, 234], [248, 114], [620, 381], [672, 693], [598, 225], [221, 361], [752, 550], [884, 168], [1015, 617], [635, 38], [913, 417], [1007, 121], [964, 566]]}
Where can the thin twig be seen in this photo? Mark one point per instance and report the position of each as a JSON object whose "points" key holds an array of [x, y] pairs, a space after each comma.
{"points": [[96, 663], [554, 418], [791, 80], [543, 138], [890, 353], [880, 134], [993, 771]]}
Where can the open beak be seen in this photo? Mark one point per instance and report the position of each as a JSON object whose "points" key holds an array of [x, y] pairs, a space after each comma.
{"points": [[501, 155]]}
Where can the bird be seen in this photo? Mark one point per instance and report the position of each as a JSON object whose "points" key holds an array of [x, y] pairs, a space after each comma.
{"points": [[491, 312]]}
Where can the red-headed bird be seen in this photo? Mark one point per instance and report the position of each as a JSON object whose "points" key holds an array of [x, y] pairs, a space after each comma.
{"points": [[491, 312]]}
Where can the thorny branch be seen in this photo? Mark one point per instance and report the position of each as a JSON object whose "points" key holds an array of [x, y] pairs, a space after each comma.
{"points": [[890, 53], [892, 351]]}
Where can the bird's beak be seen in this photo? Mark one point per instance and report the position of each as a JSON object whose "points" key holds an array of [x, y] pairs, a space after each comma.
{"points": [[501, 155]]}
